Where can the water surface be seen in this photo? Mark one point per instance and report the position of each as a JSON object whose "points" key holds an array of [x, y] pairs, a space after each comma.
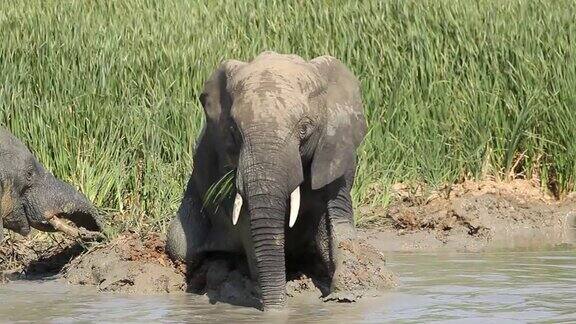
{"points": [[504, 287]]}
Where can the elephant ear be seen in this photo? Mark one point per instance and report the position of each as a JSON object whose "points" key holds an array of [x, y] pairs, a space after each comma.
{"points": [[216, 101], [215, 97], [345, 126]]}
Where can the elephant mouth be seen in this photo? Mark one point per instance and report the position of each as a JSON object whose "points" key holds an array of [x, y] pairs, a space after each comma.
{"points": [[79, 225], [82, 219]]}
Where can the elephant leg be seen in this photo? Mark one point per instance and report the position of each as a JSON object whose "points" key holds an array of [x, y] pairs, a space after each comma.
{"points": [[324, 249], [191, 235], [340, 225], [187, 232]]}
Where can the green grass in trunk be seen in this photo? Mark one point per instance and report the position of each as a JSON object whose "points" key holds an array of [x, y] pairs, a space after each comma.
{"points": [[219, 191], [106, 92]]}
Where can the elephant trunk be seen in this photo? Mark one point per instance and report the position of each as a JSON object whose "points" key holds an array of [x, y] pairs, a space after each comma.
{"points": [[267, 175], [267, 231], [54, 198]]}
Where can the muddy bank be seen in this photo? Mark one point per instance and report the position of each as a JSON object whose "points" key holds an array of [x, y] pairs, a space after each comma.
{"points": [[472, 217], [139, 265], [364, 274], [39, 255], [469, 217], [128, 264]]}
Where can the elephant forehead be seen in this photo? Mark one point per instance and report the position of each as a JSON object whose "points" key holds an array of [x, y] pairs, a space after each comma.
{"points": [[14, 158], [265, 107], [274, 55], [276, 75], [12, 147]]}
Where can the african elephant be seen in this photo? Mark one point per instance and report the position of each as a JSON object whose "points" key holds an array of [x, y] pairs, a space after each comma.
{"points": [[290, 129], [32, 197]]}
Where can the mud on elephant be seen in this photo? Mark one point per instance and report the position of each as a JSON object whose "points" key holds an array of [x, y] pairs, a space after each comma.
{"points": [[32, 197], [290, 129]]}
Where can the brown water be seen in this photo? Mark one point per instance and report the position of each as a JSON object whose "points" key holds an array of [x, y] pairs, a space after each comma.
{"points": [[502, 287]]}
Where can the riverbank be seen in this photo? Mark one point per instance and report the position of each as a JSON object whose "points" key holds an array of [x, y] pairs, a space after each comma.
{"points": [[472, 217], [468, 217]]}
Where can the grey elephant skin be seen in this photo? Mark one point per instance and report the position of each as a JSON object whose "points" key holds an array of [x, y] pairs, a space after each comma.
{"points": [[290, 128], [30, 196]]}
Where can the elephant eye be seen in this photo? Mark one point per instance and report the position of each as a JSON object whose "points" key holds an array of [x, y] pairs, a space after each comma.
{"points": [[29, 175], [305, 129], [30, 171], [235, 135]]}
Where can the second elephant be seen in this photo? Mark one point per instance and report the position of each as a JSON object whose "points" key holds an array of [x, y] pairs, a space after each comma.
{"points": [[30, 196], [290, 129]]}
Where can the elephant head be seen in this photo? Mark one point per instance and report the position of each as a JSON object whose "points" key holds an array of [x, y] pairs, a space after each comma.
{"points": [[280, 122], [30, 196]]}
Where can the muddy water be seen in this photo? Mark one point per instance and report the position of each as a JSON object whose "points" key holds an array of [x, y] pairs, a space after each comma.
{"points": [[505, 286]]}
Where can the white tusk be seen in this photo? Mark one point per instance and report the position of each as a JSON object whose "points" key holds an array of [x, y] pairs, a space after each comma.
{"points": [[237, 209], [294, 206]]}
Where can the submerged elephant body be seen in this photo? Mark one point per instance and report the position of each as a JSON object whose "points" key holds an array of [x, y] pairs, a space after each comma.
{"points": [[290, 129], [32, 197]]}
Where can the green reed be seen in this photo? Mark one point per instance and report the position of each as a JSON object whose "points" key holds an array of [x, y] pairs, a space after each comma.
{"points": [[106, 92]]}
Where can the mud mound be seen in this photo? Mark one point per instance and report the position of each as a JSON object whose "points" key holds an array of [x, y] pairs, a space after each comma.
{"points": [[475, 216], [17, 252], [363, 272], [364, 268], [128, 264], [134, 264], [37, 256], [224, 279]]}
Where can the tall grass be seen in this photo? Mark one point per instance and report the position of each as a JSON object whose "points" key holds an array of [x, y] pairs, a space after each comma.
{"points": [[105, 92]]}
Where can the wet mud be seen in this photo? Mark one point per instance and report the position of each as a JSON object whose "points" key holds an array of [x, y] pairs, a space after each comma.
{"points": [[468, 217], [128, 264], [39, 256], [473, 217], [363, 273], [139, 265]]}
